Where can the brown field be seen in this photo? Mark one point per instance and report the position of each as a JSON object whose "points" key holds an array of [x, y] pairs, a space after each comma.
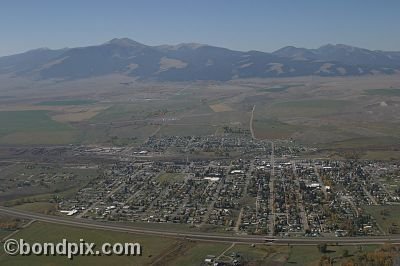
{"points": [[78, 114], [220, 107]]}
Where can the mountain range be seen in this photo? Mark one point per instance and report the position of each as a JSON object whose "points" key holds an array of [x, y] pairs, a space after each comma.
{"points": [[191, 62]]}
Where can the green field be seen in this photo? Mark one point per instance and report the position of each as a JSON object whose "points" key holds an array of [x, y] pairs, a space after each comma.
{"points": [[118, 112], [387, 217], [310, 255], [168, 178], [383, 92], [168, 251], [39, 202], [363, 142], [33, 127], [28, 121], [381, 155], [272, 128], [67, 102], [306, 108], [39, 207], [43, 232]]}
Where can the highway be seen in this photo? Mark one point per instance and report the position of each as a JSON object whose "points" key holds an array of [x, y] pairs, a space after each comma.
{"points": [[248, 239], [251, 123]]}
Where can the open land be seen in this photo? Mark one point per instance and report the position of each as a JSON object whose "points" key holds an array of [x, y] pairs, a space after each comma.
{"points": [[309, 159], [337, 115]]}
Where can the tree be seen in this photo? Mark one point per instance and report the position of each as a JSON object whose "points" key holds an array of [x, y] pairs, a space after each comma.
{"points": [[323, 248], [325, 261], [345, 253]]}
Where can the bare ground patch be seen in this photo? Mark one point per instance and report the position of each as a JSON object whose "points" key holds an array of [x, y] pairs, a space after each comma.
{"points": [[78, 114], [220, 107]]}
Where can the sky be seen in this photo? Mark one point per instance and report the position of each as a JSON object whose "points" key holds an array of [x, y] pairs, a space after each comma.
{"points": [[264, 25]]}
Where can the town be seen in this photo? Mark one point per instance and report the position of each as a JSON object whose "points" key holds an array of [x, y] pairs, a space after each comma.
{"points": [[247, 187]]}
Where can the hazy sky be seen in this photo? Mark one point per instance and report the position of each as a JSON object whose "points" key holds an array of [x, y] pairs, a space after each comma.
{"points": [[242, 25]]}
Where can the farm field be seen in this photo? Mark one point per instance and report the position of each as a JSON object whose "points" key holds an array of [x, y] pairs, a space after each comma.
{"points": [[220, 108], [66, 102], [42, 232], [386, 217], [273, 129], [310, 255], [28, 121], [384, 92], [333, 114], [39, 207]]}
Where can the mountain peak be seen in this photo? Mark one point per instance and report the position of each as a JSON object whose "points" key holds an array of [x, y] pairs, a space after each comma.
{"points": [[41, 49], [289, 47], [294, 52], [123, 42], [191, 46], [338, 46]]}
